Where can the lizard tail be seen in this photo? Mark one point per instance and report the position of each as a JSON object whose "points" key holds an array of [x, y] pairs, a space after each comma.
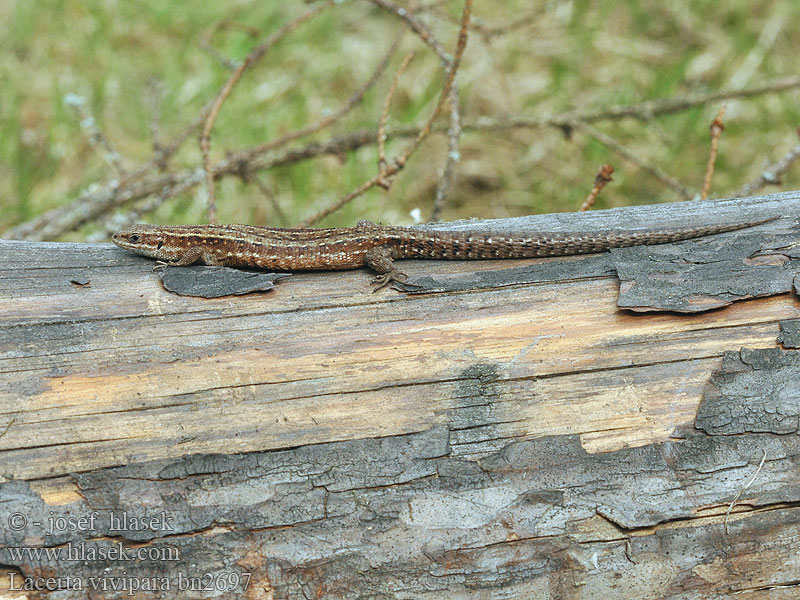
{"points": [[465, 246]]}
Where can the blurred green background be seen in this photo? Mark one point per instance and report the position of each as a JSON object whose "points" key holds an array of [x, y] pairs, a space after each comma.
{"points": [[523, 59]]}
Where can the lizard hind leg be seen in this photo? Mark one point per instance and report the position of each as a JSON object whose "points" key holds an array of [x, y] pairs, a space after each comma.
{"points": [[379, 259]]}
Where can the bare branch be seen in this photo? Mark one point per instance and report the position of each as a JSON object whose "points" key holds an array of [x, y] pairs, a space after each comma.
{"points": [[771, 175], [417, 26], [145, 180], [653, 170], [602, 178], [96, 137], [454, 130], [386, 175], [250, 59], [643, 111], [717, 127], [329, 120], [385, 112], [453, 156]]}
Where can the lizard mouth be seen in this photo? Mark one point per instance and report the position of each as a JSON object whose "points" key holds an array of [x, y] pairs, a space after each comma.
{"points": [[121, 240], [126, 240]]}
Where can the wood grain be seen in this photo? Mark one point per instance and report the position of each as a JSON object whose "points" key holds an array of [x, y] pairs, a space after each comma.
{"points": [[502, 435]]}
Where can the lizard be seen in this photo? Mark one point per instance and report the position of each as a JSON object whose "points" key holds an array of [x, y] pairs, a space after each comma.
{"points": [[376, 246]]}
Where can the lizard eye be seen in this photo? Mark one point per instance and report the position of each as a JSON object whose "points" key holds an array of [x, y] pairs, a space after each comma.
{"points": [[134, 237]]}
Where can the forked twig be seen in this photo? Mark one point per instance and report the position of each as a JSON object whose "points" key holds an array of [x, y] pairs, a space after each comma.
{"points": [[454, 128], [327, 121], [250, 59], [393, 168], [385, 112], [653, 170]]}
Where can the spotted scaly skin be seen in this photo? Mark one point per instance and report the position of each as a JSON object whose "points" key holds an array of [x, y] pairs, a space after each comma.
{"points": [[375, 246]]}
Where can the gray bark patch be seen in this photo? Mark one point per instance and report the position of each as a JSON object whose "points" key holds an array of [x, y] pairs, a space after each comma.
{"points": [[754, 391]]}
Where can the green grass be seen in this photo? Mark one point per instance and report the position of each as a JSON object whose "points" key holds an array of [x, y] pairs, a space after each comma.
{"points": [[571, 55]]}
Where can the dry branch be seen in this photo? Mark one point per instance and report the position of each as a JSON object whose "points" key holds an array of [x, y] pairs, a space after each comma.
{"points": [[643, 111], [771, 175], [258, 52], [385, 112], [385, 175], [153, 179], [657, 173], [454, 128], [717, 127], [329, 120], [602, 178]]}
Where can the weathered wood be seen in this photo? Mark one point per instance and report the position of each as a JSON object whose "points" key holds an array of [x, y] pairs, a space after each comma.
{"points": [[790, 333], [520, 437]]}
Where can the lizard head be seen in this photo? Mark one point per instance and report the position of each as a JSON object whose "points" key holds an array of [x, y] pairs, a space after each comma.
{"points": [[149, 240]]}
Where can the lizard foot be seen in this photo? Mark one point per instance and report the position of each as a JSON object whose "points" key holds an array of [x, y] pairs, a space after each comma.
{"points": [[393, 276], [384, 279]]}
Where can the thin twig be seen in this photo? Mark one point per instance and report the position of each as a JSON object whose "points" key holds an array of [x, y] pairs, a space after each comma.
{"points": [[770, 175], [653, 170], [99, 199], [417, 26], [250, 59], [448, 85], [490, 31], [205, 42], [329, 120], [643, 111], [485, 30], [601, 179], [270, 195], [387, 101], [453, 156], [741, 491], [8, 426], [717, 127], [155, 96], [96, 137], [385, 176], [454, 128]]}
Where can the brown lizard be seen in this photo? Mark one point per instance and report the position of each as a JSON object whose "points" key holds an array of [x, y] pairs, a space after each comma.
{"points": [[373, 245]]}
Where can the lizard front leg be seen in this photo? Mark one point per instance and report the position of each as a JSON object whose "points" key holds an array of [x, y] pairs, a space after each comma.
{"points": [[197, 254]]}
